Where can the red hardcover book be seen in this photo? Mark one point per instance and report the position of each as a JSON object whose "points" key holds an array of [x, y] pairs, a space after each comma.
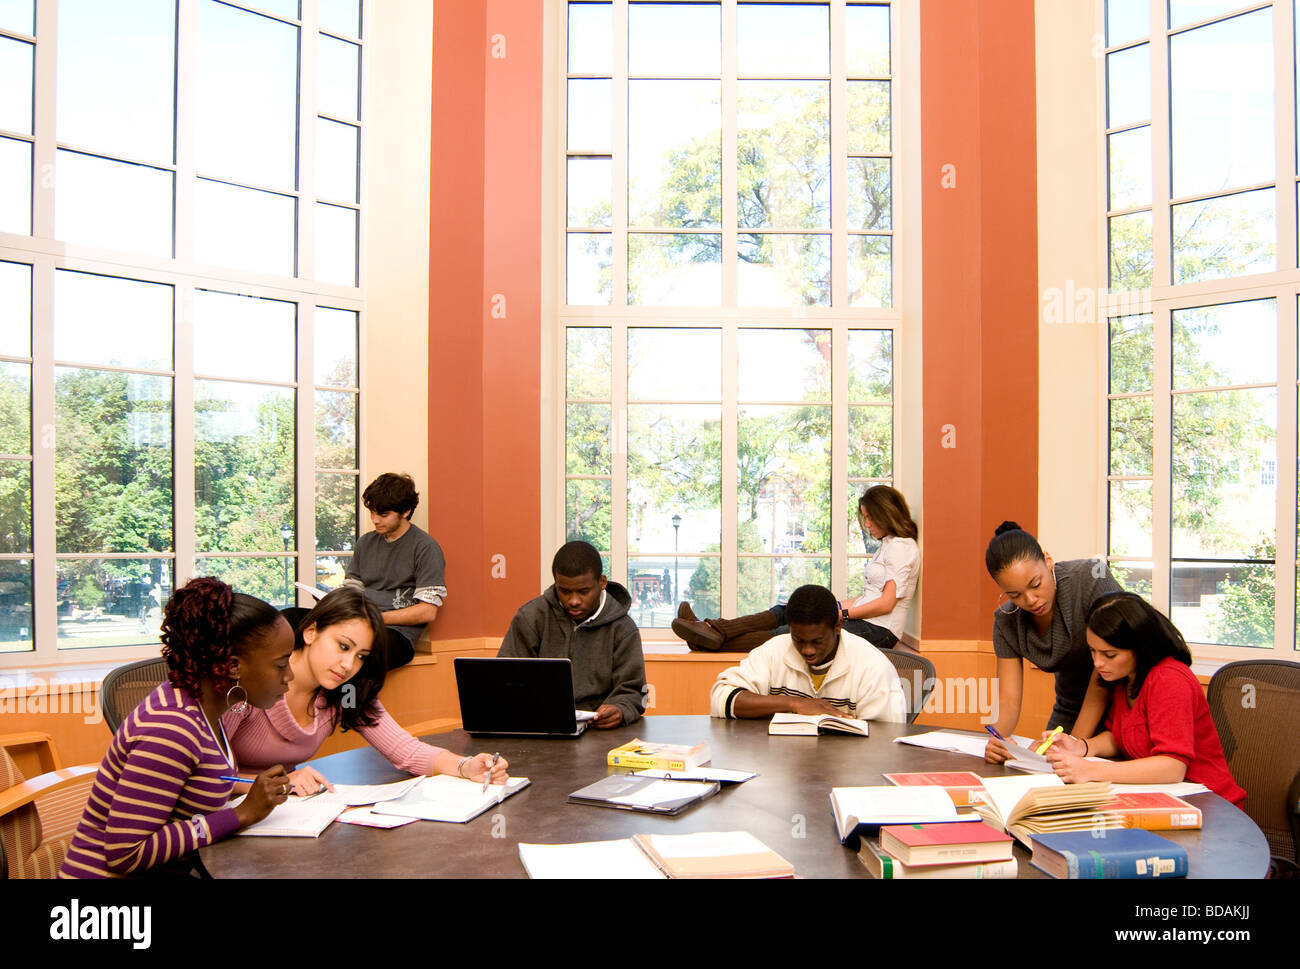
{"points": [[1155, 811], [945, 844], [959, 784]]}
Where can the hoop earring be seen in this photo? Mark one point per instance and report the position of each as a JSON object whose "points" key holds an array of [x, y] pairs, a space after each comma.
{"points": [[1003, 603], [239, 706]]}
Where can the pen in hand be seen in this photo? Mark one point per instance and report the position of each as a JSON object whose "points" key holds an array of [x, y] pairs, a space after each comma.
{"points": [[487, 778]]}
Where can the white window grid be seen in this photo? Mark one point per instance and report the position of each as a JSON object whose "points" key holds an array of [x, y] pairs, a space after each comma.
{"points": [[1164, 298], [838, 318], [46, 255]]}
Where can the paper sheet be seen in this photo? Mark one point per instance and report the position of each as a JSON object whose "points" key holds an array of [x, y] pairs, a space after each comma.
{"points": [[358, 794], [368, 818], [707, 844], [700, 774], [962, 743], [296, 817], [589, 859]]}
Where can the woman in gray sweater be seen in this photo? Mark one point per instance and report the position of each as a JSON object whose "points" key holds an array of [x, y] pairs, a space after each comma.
{"points": [[1041, 617]]}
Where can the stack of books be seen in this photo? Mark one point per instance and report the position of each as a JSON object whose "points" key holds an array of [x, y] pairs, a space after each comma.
{"points": [[944, 850]]}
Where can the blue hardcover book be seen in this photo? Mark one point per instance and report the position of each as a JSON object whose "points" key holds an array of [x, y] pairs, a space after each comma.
{"points": [[1111, 853]]}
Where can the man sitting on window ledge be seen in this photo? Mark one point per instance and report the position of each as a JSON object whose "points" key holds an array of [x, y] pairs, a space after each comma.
{"points": [[398, 565]]}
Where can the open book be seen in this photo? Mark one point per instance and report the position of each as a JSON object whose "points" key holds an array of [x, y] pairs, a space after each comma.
{"points": [[307, 817], [810, 725], [446, 798], [1042, 803], [727, 854], [863, 810]]}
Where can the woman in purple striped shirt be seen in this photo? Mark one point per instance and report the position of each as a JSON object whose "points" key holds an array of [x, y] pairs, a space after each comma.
{"points": [[159, 795], [336, 683]]}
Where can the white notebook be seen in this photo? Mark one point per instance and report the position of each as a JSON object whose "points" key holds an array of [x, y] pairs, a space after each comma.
{"points": [[589, 859], [297, 817], [446, 798]]}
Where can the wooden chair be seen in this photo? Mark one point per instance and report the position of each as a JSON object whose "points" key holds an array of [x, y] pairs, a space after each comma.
{"points": [[38, 816]]}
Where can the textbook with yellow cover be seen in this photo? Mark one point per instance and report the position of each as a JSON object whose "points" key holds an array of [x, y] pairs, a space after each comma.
{"points": [[645, 755]]}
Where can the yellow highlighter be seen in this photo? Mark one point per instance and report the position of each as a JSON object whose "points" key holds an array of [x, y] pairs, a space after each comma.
{"points": [[1042, 748]]}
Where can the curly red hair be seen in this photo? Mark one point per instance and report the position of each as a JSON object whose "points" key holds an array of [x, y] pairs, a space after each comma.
{"points": [[204, 624]]}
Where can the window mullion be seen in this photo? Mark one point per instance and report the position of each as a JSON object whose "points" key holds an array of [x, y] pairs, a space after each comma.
{"points": [[45, 631], [1285, 137], [618, 251], [730, 207], [839, 174], [839, 452], [187, 45], [305, 449], [1284, 570], [1162, 457], [184, 540], [43, 79], [729, 571], [1161, 215], [308, 39], [618, 454]]}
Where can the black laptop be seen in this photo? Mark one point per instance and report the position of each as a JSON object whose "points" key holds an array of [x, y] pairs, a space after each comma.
{"points": [[513, 697]]}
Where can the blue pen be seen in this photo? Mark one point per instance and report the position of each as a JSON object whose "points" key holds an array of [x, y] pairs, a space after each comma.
{"points": [[249, 780], [991, 729]]}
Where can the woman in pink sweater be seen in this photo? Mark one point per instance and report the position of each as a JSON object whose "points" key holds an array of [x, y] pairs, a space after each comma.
{"points": [[336, 683]]}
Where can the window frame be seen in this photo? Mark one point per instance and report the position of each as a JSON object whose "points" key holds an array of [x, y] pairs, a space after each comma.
{"points": [[46, 255], [901, 318], [1165, 297]]}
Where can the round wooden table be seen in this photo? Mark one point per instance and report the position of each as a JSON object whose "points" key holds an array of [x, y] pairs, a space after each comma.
{"points": [[786, 806]]}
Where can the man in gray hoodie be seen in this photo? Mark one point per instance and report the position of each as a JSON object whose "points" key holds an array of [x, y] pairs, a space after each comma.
{"points": [[576, 619]]}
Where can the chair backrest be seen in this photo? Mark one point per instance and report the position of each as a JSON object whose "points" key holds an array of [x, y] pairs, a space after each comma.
{"points": [[125, 687], [917, 676], [1256, 710]]}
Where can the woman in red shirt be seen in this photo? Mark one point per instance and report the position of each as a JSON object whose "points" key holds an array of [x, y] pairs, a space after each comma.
{"points": [[1158, 726]]}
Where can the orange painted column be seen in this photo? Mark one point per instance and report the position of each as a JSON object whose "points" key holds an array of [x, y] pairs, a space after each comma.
{"points": [[980, 298], [484, 309], [512, 305]]}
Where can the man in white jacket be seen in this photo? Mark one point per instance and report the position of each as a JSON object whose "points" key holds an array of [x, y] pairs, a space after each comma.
{"points": [[815, 668]]}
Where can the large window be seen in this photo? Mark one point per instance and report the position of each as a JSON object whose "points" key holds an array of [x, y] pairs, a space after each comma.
{"points": [[1200, 205], [179, 309], [728, 312]]}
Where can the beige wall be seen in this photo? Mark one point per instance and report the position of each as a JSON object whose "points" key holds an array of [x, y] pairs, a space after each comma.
{"points": [[395, 271], [1071, 365]]}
